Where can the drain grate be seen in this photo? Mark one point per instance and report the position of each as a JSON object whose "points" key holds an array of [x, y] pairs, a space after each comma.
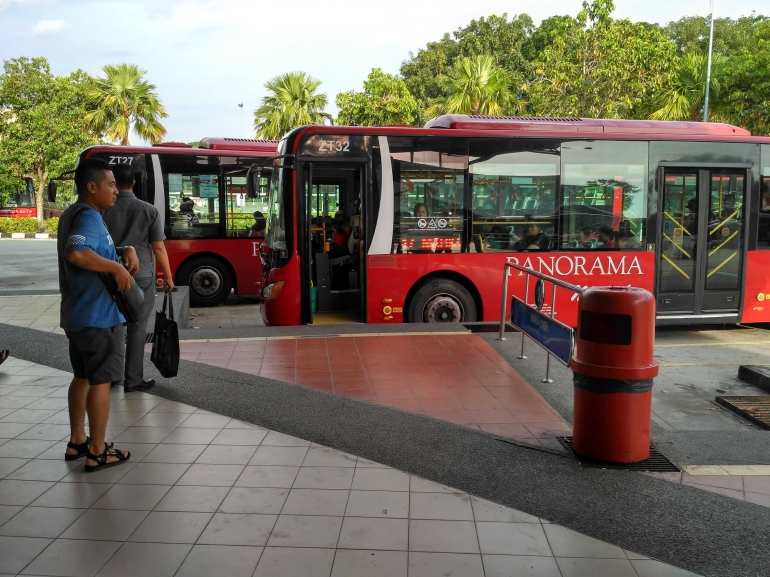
{"points": [[756, 409], [488, 328], [655, 463]]}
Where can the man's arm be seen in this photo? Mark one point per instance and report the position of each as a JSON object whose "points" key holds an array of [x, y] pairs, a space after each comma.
{"points": [[89, 260], [159, 249], [129, 256]]}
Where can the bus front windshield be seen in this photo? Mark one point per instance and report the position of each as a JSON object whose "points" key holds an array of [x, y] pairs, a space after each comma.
{"points": [[275, 234]]}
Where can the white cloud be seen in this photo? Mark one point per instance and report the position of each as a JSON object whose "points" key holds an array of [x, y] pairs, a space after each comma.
{"points": [[50, 26]]}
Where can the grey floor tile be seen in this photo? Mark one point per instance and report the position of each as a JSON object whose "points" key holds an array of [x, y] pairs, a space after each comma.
{"points": [[124, 419], [184, 436], [267, 476], [372, 533], [71, 495], [420, 485], [24, 449], [21, 492], [442, 564], [46, 432], [136, 405], [132, 497], [236, 424], [367, 464], [195, 499], [316, 502], [220, 560], [513, 539], [326, 457], [443, 536], [40, 522], [593, 567], [8, 511], [17, 552], [262, 500], [487, 511], [634, 556], [48, 403], [238, 529], [11, 402], [652, 568], [33, 416], [370, 563], [136, 434], [305, 531], [171, 453], [371, 479], [171, 527], [154, 474], [295, 562], [173, 407], [252, 437], [391, 504], [45, 470], [324, 478], [522, 566], [288, 456], [205, 421], [109, 475], [211, 475], [227, 455], [72, 558], [276, 439], [448, 506], [11, 430], [161, 420], [9, 464], [567, 543], [105, 525], [146, 559]]}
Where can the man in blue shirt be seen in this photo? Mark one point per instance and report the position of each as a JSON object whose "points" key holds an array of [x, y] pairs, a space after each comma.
{"points": [[89, 316]]}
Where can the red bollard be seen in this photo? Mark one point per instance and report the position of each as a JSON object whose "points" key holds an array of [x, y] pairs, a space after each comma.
{"points": [[613, 367]]}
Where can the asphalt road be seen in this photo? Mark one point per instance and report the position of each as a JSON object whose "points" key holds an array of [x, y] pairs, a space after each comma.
{"points": [[28, 266]]}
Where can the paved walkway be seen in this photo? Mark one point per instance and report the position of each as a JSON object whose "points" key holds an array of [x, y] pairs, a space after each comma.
{"points": [[208, 495]]}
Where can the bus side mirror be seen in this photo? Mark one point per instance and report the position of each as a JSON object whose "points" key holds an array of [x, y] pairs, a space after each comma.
{"points": [[252, 178], [30, 185], [51, 191]]}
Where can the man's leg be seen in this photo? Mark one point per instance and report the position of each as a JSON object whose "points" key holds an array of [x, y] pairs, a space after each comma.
{"points": [[134, 375], [76, 397]]}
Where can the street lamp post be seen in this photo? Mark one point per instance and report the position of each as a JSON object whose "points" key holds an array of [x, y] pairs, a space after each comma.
{"points": [[240, 105], [708, 66]]}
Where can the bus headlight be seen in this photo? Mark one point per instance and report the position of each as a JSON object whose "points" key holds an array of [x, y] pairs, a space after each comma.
{"points": [[272, 290]]}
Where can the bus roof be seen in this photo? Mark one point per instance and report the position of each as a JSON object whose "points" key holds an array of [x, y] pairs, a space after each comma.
{"points": [[619, 127], [266, 146]]}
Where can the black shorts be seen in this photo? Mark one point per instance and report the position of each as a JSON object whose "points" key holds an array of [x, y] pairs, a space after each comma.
{"points": [[98, 355]]}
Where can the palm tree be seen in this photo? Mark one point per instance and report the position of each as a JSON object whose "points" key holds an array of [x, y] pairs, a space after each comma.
{"points": [[474, 86], [292, 101], [684, 98], [124, 100]]}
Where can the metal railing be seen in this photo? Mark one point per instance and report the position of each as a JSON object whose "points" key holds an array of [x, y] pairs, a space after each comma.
{"points": [[504, 300]]}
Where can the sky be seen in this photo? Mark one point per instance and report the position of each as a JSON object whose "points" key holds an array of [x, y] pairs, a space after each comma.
{"points": [[207, 56]]}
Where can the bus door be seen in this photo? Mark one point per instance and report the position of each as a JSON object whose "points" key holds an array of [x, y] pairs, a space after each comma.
{"points": [[334, 193], [700, 243]]}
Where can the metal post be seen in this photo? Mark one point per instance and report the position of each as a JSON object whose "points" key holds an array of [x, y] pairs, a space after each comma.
{"points": [[503, 303], [526, 299], [708, 69], [548, 354]]}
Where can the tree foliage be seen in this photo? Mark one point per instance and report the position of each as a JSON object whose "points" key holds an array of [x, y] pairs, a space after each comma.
{"points": [[384, 100], [292, 101], [731, 37], [749, 82], [123, 100], [42, 128]]}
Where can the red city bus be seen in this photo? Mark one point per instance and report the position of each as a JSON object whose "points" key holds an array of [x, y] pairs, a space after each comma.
{"points": [[22, 203], [428, 216], [212, 233]]}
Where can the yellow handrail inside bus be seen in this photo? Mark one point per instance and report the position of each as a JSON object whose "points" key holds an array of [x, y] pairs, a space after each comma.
{"points": [[723, 263], [677, 223], [677, 246], [724, 221], [725, 242], [669, 261]]}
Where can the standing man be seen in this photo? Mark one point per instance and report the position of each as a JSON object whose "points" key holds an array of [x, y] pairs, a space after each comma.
{"points": [[89, 316], [137, 223]]}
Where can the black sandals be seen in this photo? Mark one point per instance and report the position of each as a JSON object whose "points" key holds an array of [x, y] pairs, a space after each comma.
{"points": [[3, 355], [82, 449], [102, 460]]}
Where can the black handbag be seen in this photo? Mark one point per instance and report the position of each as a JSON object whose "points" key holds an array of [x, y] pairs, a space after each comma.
{"points": [[165, 340], [130, 302]]}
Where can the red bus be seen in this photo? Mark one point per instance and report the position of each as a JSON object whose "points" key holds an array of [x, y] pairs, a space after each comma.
{"points": [[672, 207], [21, 203], [212, 233]]}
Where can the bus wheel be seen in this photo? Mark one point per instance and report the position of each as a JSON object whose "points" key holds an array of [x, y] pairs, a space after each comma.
{"points": [[209, 280], [442, 301]]}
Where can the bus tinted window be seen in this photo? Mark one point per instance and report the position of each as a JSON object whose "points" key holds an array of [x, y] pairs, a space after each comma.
{"points": [[604, 194], [192, 187], [428, 184], [513, 190]]}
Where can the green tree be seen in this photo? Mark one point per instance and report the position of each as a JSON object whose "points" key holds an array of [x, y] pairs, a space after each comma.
{"points": [[475, 86], [684, 96], [42, 128], [292, 101], [749, 82], [384, 100], [691, 34], [599, 67], [123, 100], [422, 71]]}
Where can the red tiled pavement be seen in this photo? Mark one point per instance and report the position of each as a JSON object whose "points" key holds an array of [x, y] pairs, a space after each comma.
{"points": [[456, 377]]}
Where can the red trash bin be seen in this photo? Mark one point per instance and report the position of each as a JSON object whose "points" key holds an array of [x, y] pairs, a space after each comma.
{"points": [[614, 367]]}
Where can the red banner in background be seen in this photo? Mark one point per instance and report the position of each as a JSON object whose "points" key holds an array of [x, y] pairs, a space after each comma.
{"points": [[18, 212]]}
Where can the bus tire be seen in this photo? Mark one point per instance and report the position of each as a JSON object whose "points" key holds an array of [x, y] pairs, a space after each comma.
{"points": [[442, 301], [209, 280]]}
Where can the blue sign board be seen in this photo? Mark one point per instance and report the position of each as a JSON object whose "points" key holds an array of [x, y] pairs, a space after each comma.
{"points": [[553, 336]]}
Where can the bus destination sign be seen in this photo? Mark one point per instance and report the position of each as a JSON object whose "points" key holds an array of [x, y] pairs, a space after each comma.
{"points": [[334, 145]]}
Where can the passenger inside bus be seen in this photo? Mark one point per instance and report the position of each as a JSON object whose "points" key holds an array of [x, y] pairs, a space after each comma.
{"points": [[534, 240], [606, 237], [258, 228], [420, 210]]}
